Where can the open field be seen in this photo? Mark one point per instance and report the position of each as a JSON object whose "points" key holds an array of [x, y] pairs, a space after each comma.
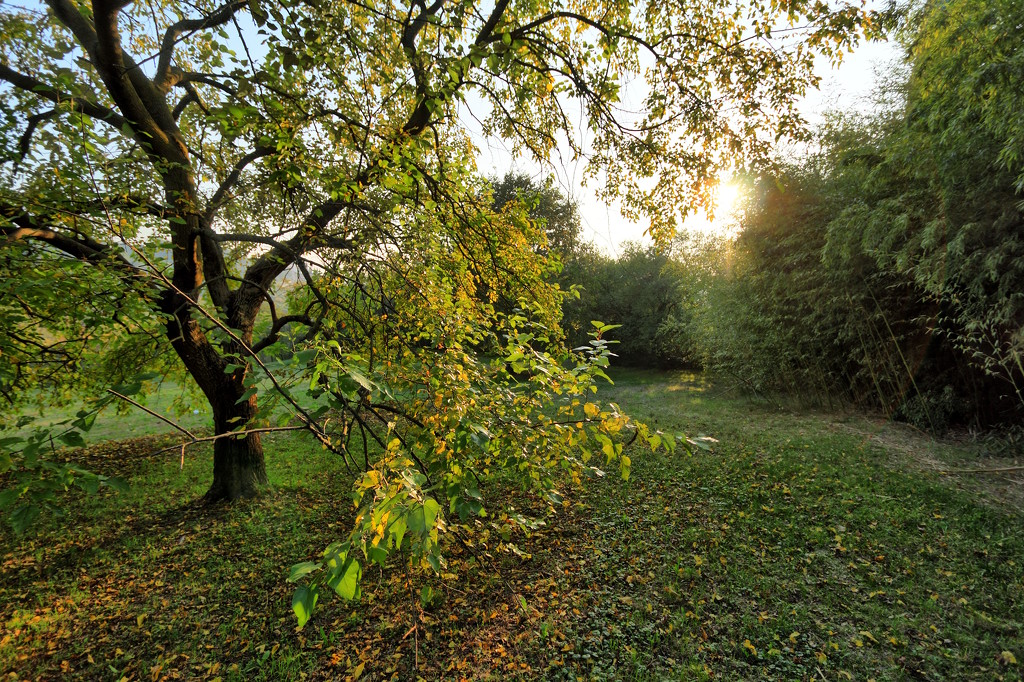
{"points": [[805, 546]]}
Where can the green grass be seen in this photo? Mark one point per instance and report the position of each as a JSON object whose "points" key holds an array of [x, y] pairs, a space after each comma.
{"points": [[805, 546]]}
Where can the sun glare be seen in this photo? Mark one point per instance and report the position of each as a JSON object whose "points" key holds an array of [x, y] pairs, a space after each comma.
{"points": [[728, 200]]}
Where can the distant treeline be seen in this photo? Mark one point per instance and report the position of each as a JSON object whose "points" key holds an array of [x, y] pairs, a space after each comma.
{"points": [[885, 267]]}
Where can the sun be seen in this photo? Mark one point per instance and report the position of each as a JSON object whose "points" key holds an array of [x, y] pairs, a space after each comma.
{"points": [[728, 196]]}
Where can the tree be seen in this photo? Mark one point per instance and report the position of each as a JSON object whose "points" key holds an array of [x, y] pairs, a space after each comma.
{"points": [[642, 291], [194, 153], [546, 204]]}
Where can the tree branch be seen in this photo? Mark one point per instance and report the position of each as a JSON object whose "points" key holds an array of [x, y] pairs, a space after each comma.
{"points": [[221, 195], [189, 77], [163, 79], [67, 14], [492, 22], [28, 83], [24, 143], [275, 330], [152, 413], [22, 225]]}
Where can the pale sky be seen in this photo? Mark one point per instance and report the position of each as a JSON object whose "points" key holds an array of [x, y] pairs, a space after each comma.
{"points": [[848, 87]]}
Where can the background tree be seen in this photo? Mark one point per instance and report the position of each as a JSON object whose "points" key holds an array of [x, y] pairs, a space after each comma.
{"points": [[545, 203], [643, 290], [888, 268]]}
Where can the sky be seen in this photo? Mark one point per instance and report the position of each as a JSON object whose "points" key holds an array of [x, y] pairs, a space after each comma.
{"points": [[848, 87]]}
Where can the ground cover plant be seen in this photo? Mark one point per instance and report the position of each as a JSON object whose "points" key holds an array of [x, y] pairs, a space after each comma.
{"points": [[803, 546]]}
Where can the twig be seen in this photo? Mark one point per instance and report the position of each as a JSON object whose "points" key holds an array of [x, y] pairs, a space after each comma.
{"points": [[229, 434], [152, 413]]}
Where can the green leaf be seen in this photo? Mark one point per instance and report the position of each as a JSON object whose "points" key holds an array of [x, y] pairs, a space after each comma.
{"points": [[304, 356], [23, 517], [303, 602], [118, 484], [397, 530], [11, 495], [89, 483], [248, 394], [377, 554], [422, 517], [345, 582], [301, 569], [72, 439]]}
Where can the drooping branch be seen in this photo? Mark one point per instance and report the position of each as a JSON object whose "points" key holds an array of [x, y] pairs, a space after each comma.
{"points": [[25, 143], [190, 96]]}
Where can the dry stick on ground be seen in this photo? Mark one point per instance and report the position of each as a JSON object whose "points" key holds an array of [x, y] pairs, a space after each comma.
{"points": [[1000, 470]]}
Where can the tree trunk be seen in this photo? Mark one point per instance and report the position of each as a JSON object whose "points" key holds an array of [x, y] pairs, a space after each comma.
{"points": [[238, 468]]}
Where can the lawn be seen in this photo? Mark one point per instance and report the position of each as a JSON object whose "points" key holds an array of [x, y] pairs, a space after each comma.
{"points": [[804, 546]]}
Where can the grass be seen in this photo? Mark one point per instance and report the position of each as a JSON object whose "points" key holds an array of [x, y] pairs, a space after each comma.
{"points": [[805, 546]]}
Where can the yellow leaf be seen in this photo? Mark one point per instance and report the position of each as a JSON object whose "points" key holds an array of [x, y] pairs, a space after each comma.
{"points": [[793, 636], [1008, 658], [747, 645], [357, 671]]}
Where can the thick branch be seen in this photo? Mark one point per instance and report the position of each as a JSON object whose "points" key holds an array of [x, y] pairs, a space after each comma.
{"points": [[67, 13], [420, 116], [492, 22], [83, 106], [162, 80], [275, 331], [21, 225]]}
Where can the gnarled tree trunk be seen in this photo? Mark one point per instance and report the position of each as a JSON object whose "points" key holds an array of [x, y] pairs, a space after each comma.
{"points": [[238, 466]]}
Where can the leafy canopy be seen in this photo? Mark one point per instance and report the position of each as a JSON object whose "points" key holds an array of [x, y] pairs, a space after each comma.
{"points": [[191, 155]]}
